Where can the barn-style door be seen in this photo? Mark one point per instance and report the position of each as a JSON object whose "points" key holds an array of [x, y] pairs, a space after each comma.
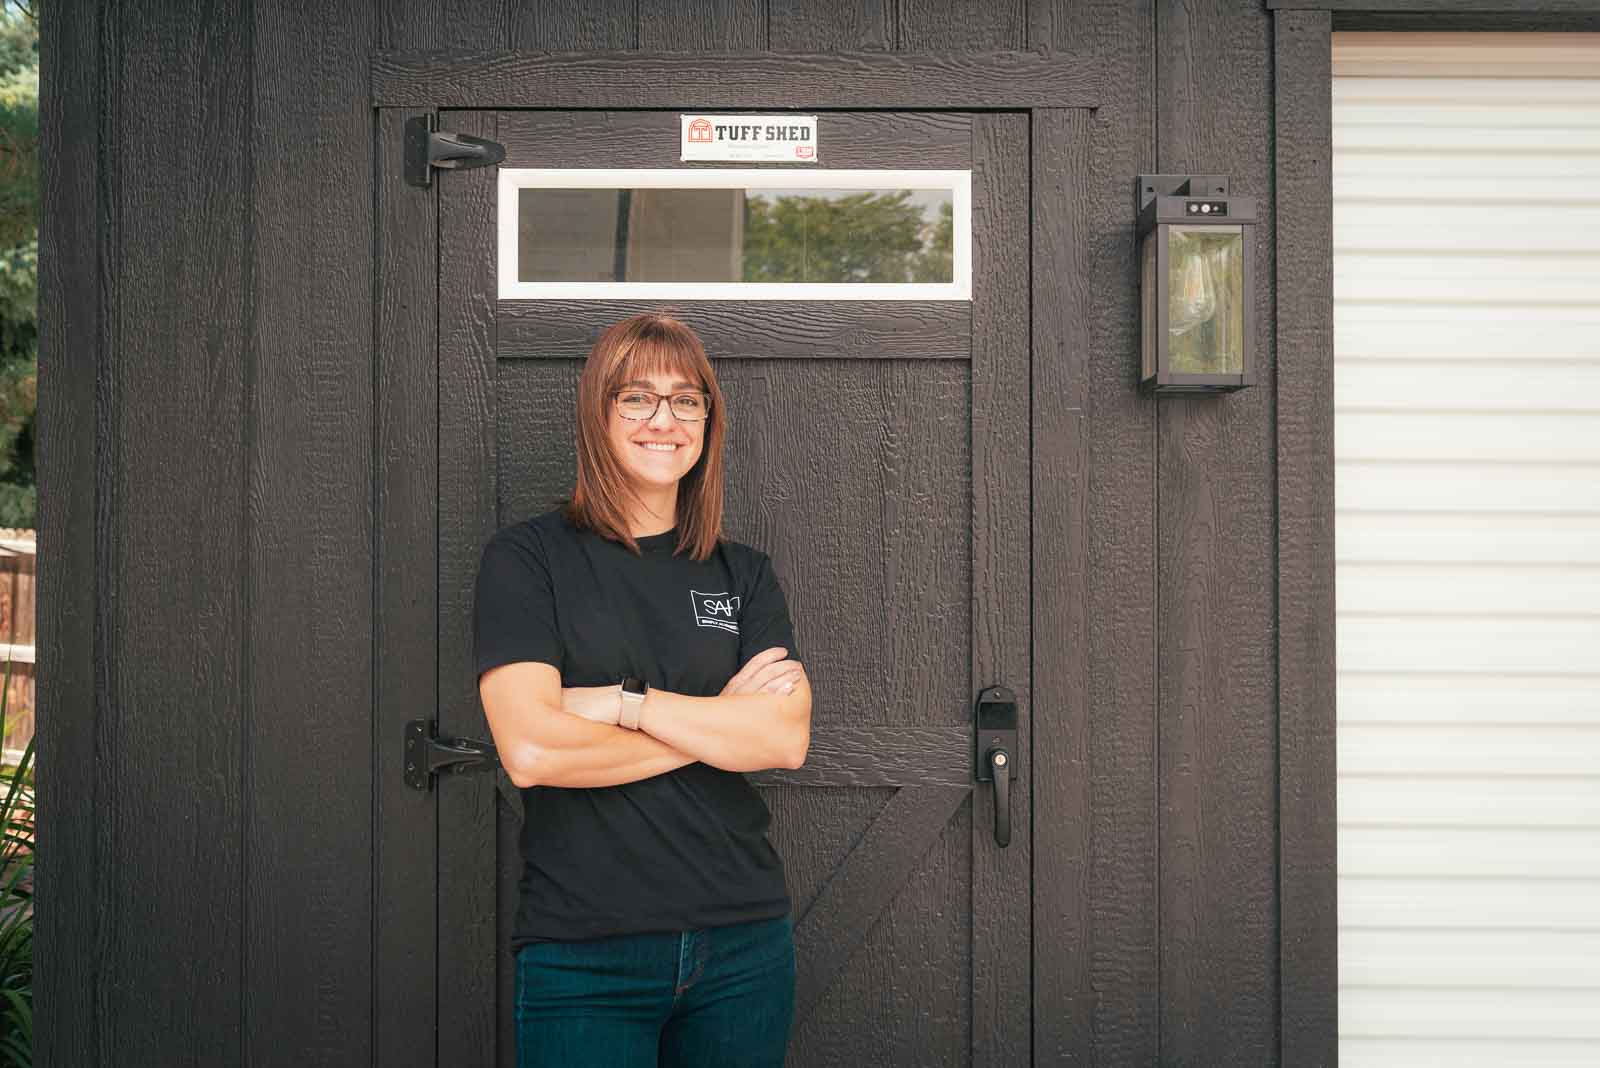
{"points": [[879, 450]]}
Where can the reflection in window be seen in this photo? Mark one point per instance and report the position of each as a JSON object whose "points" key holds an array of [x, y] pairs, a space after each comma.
{"points": [[751, 235]]}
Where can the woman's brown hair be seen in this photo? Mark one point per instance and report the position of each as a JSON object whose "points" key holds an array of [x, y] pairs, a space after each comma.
{"points": [[642, 345]]}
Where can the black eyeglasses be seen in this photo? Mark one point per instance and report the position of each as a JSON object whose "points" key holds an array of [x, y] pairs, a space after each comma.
{"points": [[643, 404]]}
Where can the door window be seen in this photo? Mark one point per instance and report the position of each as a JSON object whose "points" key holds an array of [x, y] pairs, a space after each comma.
{"points": [[735, 234]]}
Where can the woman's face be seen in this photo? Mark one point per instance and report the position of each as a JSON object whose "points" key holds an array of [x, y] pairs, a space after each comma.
{"points": [[656, 468]]}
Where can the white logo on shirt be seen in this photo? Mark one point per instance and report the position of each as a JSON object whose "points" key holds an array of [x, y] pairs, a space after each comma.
{"points": [[716, 610]]}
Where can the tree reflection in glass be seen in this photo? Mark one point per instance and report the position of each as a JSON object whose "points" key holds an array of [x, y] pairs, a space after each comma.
{"points": [[863, 236], [1205, 308]]}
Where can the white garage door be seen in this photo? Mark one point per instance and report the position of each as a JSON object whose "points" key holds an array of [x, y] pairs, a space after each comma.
{"points": [[1466, 190]]}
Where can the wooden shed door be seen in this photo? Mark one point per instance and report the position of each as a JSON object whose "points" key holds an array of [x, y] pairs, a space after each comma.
{"points": [[880, 452]]}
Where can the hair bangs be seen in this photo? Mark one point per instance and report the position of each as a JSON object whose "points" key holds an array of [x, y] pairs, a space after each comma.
{"points": [[661, 350]]}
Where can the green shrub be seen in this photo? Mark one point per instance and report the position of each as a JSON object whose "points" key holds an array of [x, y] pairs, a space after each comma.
{"points": [[16, 903]]}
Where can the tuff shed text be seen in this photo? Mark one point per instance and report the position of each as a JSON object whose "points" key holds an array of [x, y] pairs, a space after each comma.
{"points": [[763, 133]]}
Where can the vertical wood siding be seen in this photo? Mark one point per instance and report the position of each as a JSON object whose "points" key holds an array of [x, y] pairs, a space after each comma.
{"points": [[233, 381], [1215, 561], [1467, 328], [309, 832], [75, 236], [174, 770], [1308, 924], [1097, 956]]}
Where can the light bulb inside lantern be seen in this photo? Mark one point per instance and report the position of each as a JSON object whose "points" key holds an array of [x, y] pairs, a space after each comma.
{"points": [[1195, 301]]}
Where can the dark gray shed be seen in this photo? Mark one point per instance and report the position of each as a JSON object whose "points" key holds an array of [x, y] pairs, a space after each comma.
{"points": [[281, 408]]}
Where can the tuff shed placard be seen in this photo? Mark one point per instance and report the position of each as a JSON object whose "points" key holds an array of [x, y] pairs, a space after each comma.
{"points": [[792, 138]]}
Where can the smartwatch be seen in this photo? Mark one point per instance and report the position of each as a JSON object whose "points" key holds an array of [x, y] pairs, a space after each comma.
{"points": [[633, 691]]}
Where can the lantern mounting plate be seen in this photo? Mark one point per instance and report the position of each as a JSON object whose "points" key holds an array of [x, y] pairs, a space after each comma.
{"points": [[1149, 186]]}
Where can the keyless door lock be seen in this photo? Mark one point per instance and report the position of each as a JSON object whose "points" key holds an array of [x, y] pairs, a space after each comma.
{"points": [[994, 752]]}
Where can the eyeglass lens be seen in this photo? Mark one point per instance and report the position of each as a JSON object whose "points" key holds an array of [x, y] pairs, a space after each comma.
{"points": [[639, 404]]}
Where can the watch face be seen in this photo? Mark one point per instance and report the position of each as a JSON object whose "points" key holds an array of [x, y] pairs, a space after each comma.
{"points": [[633, 686]]}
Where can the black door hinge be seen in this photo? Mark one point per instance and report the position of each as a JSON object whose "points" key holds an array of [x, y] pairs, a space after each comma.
{"points": [[428, 147], [428, 755]]}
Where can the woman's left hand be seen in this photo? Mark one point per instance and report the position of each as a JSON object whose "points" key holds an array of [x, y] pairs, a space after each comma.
{"points": [[598, 704]]}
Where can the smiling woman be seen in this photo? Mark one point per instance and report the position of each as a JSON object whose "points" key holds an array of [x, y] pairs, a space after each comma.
{"points": [[633, 662], [622, 490]]}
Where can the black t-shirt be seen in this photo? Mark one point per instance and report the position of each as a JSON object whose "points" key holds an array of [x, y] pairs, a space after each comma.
{"points": [[684, 849]]}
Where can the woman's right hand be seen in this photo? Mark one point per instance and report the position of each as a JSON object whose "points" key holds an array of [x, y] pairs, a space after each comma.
{"points": [[766, 672]]}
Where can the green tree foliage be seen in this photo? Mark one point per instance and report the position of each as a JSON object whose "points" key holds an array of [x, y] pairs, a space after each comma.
{"points": [[19, 261], [861, 237], [935, 262], [19, 128]]}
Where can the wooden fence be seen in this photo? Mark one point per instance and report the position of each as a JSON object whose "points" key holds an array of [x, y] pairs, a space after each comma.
{"points": [[18, 554]]}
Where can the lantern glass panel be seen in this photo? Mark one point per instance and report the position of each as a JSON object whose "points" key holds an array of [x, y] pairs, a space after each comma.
{"points": [[1205, 307]]}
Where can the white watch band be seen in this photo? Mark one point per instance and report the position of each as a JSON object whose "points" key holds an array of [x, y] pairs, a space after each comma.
{"points": [[628, 715]]}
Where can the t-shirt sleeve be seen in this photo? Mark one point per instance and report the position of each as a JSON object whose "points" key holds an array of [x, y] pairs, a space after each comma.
{"points": [[764, 620], [514, 606]]}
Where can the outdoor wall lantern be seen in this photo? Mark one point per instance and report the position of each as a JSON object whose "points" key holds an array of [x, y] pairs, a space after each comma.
{"points": [[1196, 282]]}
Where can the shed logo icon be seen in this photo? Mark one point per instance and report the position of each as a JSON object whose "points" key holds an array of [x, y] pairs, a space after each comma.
{"points": [[716, 610]]}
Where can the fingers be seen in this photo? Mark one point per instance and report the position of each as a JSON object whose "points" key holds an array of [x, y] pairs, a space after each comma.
{"points": [[785, 680], [782, 681], [743, 679], [767, 680], [765, 672], [784, 669]]}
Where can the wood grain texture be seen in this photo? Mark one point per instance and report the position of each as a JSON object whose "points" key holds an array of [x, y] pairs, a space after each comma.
{"points": [[406, 494], [1307, 677], [830, 25], [175, 755], [1001, 650], [310, 731], [1063, 277], [572, 25], [733, 80], [440, 24], [830, 931], [815, 827], [752, 329], [76, 305], [1216, 556], [693, 25], [959, 25], [1123, 1006], [904, 995], [470, 940], [925, 140]]}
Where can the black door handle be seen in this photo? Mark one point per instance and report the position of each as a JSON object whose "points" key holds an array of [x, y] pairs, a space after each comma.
{"points": [[994, 745], [999, 762]]}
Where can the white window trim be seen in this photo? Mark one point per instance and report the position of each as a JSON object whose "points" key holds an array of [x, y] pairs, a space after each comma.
{"points": [[513, 179]]}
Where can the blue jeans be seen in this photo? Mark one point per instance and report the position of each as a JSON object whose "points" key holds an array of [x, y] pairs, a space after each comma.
{"points": [[699, 999]]}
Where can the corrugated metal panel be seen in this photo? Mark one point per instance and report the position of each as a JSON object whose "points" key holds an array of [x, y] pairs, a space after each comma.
{"points": [[1467, 457]]}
